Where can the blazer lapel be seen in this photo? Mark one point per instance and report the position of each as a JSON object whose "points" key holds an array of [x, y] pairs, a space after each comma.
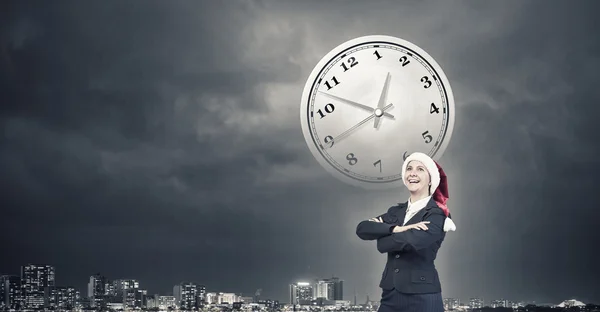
{"points": [[401, 213]]}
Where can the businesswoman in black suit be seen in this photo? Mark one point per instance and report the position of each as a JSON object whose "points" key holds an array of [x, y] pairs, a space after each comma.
{"points": [[411, 234]]}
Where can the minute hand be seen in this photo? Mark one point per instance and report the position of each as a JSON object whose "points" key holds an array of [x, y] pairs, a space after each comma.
{"points": [[362, 122], [355, 104]]}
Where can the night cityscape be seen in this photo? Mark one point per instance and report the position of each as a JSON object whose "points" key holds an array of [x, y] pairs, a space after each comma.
{"points": [[36, 289], [187, 155]]}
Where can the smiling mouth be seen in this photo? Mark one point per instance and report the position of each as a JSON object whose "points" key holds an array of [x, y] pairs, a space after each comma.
{"points": [[412, 181]]}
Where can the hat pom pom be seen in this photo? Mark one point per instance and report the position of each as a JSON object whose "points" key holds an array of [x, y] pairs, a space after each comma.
{"points": [[449, 225]]}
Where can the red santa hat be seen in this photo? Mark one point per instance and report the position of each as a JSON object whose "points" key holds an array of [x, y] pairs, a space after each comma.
{"points": [[439, 184]]}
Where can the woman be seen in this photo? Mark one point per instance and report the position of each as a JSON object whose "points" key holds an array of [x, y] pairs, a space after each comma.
{"points": [[411, 233]]}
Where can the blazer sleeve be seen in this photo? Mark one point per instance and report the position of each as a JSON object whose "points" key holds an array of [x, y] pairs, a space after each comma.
{"points": [[371, 230], [412, 240]]}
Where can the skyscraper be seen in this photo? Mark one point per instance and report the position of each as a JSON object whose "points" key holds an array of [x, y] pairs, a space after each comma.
{"points": [[61, 297], [35, 278], [97, 290], [189, 295], [329, 289], [301, 293], [11, 295]]}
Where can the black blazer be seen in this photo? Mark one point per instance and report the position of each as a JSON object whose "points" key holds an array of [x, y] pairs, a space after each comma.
{"points": [[410, 254]]}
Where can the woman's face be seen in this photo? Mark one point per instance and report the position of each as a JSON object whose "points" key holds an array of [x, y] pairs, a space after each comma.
{"points": [[416, 177]]}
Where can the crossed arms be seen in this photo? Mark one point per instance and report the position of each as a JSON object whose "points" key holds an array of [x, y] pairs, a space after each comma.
{"points": [[393, 238]]}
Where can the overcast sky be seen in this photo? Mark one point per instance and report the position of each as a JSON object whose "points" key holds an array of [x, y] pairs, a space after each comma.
{"points": [[161, 141]]}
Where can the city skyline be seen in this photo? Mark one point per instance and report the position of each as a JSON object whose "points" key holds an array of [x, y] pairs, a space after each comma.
{"points": [[162, 141], [84, 292], [49, 272]]}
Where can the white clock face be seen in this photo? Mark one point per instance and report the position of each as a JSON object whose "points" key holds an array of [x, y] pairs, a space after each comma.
{"points": [[370, 103]]}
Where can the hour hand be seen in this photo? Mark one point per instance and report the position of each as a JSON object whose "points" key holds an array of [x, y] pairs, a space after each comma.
{"points": [[346, 133], [361, 106]]}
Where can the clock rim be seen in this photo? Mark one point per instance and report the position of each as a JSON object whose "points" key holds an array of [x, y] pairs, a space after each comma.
{"points": [[334, 54]]}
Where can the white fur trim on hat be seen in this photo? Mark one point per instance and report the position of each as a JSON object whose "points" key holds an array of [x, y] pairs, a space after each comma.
{"points": [[434, 173]]}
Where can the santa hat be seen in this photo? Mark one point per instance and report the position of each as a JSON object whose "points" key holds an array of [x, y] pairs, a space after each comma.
{"points": [[439, 184]]}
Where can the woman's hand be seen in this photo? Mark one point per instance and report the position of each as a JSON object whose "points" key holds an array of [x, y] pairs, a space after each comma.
{"points": [[417, 226], [378, 220]]}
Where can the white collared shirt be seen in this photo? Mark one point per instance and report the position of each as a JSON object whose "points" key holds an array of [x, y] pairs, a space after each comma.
{"points": [[415, 207]]}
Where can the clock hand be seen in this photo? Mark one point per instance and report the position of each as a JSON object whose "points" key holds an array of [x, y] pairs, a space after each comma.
{"points": [[382, 98], [362, 122], [364, 107]]}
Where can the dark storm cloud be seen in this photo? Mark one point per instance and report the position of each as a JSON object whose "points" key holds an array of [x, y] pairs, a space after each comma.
{"points": [[166, 136], [120, 141], [527, 149]]}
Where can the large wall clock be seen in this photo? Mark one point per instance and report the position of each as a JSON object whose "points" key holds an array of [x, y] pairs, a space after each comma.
{"points": [[371, 102]]}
